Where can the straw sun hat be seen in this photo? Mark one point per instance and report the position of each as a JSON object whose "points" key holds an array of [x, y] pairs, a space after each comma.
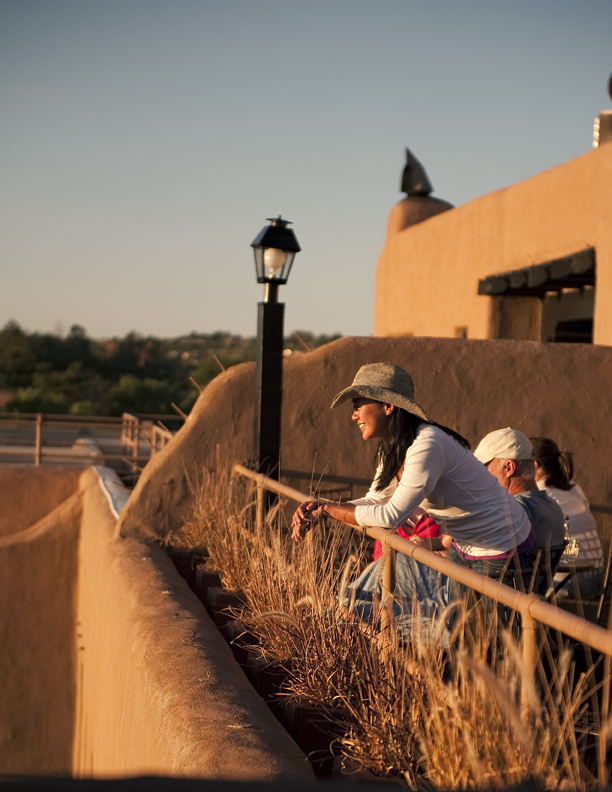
{"points": [[383, 382]]}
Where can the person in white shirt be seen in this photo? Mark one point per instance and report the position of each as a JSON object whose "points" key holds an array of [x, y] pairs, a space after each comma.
{"points": [[423, 464], [554, 475]]}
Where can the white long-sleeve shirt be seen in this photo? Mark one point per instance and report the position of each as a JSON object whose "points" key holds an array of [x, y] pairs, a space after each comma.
{"points": [[456, 489]]}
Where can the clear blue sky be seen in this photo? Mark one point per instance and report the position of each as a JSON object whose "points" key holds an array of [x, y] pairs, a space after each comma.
{"points": [[143, 143]]}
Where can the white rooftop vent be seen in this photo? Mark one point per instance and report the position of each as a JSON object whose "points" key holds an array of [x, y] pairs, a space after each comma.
{"points": [[602, 130]]}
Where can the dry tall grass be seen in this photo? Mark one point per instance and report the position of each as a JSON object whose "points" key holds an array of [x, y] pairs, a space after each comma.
{"points": [[435, 717]]}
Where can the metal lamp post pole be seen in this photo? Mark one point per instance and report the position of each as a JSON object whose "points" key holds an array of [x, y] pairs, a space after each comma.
{"points": [[275, 247], [269, 384]]}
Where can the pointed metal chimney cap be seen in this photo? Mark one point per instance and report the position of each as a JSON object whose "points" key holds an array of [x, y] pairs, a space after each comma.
{"points": [[414, 178]]}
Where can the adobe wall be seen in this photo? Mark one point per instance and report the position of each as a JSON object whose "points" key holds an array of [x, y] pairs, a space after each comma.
{"points": [[109, 665], [38, 584], [427, 275], [556, 390], [159, 690]]}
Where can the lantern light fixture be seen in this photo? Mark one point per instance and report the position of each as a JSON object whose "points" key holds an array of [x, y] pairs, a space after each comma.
{"points": [[275, 247]]}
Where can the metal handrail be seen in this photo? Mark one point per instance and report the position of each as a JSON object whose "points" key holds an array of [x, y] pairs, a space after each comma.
{"points": [[134, 429], [90, 420], [530, 606], [160, 437]]}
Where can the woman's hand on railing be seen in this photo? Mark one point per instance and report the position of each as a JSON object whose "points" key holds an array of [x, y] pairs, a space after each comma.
{"points": [[306, 515]]}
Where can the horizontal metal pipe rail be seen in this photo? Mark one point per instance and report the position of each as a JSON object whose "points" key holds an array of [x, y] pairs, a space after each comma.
{"points": [[53, 418], [132, 429], [87, 420], [530, 606]]}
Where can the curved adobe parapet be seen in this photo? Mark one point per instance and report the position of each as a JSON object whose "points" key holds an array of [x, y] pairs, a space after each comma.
{"points": [[555, 390], [110, 665], [219, 427], [159, 690]]}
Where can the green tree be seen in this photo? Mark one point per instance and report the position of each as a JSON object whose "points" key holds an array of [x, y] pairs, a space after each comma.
{"points": [[56, 391], [17, 356], [132, 394], [75, 374]]}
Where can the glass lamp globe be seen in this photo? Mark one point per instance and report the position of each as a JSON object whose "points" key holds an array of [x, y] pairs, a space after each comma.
{"points": [[275, 247], [274, 260]]}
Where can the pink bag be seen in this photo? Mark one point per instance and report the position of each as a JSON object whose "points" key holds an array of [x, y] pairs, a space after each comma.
{"points": [[424, 527]]}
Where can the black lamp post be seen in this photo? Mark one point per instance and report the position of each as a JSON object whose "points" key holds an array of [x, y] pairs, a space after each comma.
{"points": [[275, 247]]}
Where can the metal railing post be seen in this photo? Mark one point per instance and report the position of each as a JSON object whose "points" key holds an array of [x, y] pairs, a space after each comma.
{"points": [[136, 438], [530, 659], [602, 738], [387, 617], [38, 446], [600, 745], [259, 514]]}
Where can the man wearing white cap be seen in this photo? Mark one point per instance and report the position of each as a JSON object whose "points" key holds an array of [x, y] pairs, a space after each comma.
{"points": [[508, 455]]}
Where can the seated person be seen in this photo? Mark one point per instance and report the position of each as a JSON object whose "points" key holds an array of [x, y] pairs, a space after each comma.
{"points": [[554, 475], [508, 455]]}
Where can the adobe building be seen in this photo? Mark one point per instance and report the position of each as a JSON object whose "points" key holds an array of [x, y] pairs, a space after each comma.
{"points": [[530, 262]]}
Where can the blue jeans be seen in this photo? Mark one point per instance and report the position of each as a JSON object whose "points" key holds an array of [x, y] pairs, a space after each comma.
{"points": [[412, 580], [433, 592], [490, 568]]}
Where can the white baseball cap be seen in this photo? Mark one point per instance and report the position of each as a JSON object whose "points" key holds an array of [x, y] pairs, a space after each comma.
{"points": [[504, 444]]}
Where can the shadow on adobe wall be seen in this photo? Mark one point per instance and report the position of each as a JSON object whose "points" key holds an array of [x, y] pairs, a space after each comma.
{"points": [[39, 537]]}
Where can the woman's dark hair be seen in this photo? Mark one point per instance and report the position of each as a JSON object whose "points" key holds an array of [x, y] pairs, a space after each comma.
{"points": [[401, 433], [558, 466]]}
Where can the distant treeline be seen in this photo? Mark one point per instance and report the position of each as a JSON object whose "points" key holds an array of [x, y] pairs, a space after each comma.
{"points": [[72, 373]]}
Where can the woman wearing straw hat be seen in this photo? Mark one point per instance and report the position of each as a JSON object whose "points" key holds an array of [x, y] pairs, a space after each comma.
{"points": [[423, 464]]}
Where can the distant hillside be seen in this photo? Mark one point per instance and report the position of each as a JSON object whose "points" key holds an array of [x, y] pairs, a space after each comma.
{"points": [[72, 373]]}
